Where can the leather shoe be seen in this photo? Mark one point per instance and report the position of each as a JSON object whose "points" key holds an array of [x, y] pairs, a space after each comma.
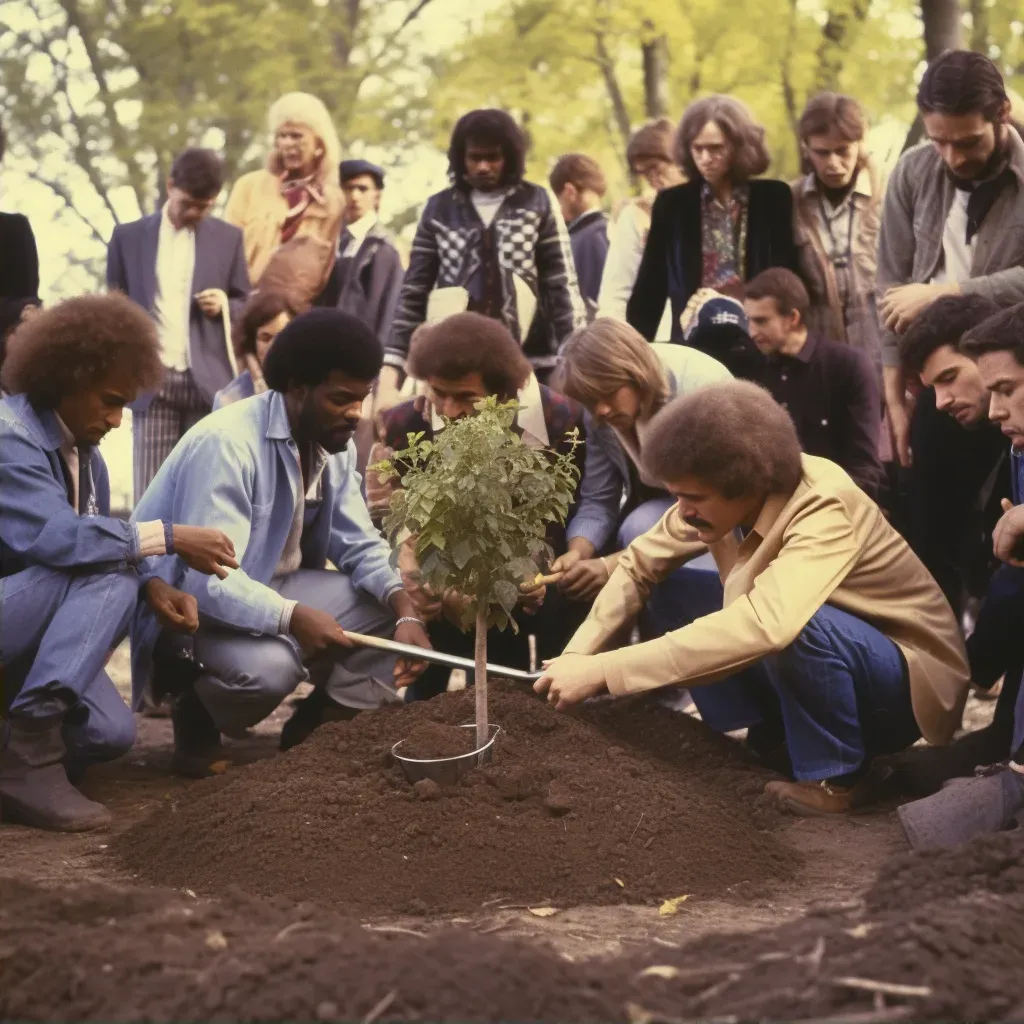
{"points": [[196, 738], [811, 799]]}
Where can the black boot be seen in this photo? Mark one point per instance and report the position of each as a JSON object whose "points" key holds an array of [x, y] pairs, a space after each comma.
{"points": [[310, 714], [196, 737], [34, 789]]}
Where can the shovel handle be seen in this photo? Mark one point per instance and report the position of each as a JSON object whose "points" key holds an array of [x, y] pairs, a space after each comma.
{"points": [[543, 581]]}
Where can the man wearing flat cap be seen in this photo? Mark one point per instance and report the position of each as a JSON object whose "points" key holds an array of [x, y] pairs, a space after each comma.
{"points": [[367, 275], [276, 473]]}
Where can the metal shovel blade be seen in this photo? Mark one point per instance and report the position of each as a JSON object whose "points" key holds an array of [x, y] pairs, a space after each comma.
{"points": [[439, 657]]}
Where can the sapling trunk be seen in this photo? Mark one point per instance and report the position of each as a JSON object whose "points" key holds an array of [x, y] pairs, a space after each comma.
{"points": [[480, 652]]}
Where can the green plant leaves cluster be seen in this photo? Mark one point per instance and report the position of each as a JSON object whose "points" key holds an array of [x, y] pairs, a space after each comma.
{"points": [[478, 502]]}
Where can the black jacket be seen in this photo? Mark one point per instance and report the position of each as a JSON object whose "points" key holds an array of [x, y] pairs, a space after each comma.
{"points": [[673, 258], [526, 240], [369, 285], [588, 236], [19, 262], [830, 390]]}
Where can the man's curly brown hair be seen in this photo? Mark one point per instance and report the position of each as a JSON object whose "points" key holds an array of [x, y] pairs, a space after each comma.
{"points": [[78, 345], [733, 437]]}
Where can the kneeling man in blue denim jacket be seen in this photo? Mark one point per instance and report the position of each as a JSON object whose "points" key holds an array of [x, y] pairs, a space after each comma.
{"points": [[277, 473]]}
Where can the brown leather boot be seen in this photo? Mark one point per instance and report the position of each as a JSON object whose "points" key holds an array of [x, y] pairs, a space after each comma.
{"points": [[34, 789], [810, 799]]}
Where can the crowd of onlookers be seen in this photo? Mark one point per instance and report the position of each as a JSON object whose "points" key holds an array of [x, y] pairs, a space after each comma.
{"points": [[865, 308]]}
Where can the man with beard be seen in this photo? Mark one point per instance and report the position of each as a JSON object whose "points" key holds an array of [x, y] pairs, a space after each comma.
{"points": [[953, 223], [490, 243], [993, 801], [277, 474], [855, 650]]}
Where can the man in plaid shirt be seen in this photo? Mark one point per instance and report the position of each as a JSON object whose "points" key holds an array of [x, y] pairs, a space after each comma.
{"points": [[491, 243]]}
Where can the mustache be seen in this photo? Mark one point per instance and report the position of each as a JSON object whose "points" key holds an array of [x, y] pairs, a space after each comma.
{"points": [[697, 522]]}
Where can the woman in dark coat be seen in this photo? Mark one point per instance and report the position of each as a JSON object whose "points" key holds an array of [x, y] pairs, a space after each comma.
{"points": [[721, 228]]}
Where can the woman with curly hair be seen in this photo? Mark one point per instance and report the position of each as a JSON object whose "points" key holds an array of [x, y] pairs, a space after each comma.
{"points": [[71, 573], [296, 196], [722, 227], [265, 315]]}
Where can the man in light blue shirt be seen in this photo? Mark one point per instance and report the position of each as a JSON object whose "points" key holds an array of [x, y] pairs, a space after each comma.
{"points": [[277, 473]]}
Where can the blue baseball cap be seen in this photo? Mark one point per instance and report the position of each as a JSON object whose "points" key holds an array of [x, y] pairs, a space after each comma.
{"points": [[719, 312]]}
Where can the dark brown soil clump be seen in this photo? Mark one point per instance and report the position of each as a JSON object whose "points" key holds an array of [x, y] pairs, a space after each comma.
{"points": [[99, 953], [434, 740], [626, 807], [993, 864]]}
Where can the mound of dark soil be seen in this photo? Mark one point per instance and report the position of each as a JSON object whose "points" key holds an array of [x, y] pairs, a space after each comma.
{"points": [[626, 805], [98, 953], [992, 864]]}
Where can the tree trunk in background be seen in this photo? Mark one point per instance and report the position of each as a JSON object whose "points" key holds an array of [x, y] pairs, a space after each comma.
{"points": [[844, 18], [943, 30], [611, 84], [943, 26], [655, 60]]}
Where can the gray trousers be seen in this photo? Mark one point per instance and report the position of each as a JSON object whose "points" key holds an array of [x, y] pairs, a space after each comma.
{"points": [[247, 675]]}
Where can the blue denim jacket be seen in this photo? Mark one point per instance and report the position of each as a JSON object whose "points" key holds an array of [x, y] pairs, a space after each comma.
{"points": [[38, 526], [237, 471]]}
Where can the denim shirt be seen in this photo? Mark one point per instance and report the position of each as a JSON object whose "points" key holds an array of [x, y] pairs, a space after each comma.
{"points": [[237, 471], [38, 526]]}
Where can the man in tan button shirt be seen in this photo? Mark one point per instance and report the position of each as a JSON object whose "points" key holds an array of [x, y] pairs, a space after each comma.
{"points": [[857, 651]]}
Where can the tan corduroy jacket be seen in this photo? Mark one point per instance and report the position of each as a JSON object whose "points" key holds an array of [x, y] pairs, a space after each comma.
{"points": [[258, 208], [826, 543]]}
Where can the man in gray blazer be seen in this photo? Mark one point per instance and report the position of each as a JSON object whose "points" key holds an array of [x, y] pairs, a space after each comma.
{"points": [[188, 271]]}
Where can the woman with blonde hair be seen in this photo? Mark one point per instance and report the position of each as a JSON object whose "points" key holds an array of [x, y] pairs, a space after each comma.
{"points": [[621, 381], [720, 229], [296, 196]]}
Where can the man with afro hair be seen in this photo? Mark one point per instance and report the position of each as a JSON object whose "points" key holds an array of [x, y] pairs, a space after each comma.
{"points": [[277, 473], [70, 574]]}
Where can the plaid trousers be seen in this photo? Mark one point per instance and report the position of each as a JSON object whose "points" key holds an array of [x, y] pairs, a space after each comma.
{"points": [[177, 407]]}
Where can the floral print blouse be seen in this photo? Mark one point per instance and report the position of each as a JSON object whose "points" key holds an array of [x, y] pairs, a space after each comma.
{"points": [[724, 240]]}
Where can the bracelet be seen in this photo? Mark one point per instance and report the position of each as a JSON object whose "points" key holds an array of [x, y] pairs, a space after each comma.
{"points": [[168, 538], [410, 618]]}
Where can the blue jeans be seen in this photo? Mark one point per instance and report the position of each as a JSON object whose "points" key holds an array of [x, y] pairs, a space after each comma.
{"points": [[56, 630], [840, 692]]}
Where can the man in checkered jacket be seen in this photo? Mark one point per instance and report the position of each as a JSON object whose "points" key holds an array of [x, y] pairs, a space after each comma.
{"points": [[491, 243]]}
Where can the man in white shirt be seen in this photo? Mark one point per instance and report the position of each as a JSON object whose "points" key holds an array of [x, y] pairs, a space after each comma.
{"points": [[188, 271]]}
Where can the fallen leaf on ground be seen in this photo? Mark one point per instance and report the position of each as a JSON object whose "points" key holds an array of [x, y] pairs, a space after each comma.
{"points": [[216, 940], [219, 767], [620, 883], [660, 971], [542, 911], [861, 931], [672, 906]]}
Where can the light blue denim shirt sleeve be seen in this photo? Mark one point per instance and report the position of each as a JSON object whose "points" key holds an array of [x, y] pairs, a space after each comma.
{"points": [[213, 488], [39, 526], [600, 493], [354, 546]]}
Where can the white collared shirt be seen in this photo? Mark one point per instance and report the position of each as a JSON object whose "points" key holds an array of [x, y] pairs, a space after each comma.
{"points": [[175, 268], [358, 230], [957, 254], [529, 418]]}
